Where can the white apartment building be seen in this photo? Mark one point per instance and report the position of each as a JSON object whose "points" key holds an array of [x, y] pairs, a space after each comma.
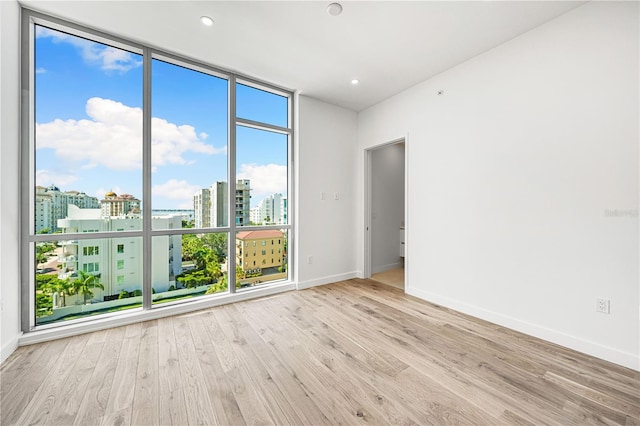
{"points": [[51, 205], [255, 214], [210, 205], [202, 208], [219, 209], [271, 210], [119, 260]]}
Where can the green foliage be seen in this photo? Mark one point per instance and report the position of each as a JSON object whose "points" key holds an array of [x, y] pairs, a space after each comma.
{"points": [[123, 294], [84, 284], [172, 287], [137, 292], [218, 287], [43, 250], [193, 279], [45, 280], [44, 305], [51, 284], [204, 249]]}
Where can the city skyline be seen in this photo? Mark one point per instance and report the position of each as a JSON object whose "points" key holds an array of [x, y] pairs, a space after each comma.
{"points": [[89, 125]]}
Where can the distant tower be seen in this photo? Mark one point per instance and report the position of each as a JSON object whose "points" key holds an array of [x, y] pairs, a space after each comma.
{"points": [[114, 205], [243, 202]]}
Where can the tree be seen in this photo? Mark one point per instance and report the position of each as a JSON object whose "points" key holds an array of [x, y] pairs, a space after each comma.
{"points": [[84, 285], [43, 250], [190, 245], [60, 287], [44, 305], [217, 243], [213, 267]]}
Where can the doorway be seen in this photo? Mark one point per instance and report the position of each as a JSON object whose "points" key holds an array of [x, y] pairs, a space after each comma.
{"points": [[385, 213]]}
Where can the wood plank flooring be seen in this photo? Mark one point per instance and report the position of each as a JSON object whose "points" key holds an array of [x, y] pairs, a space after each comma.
{"points": [[392, 277], [354, 352]]}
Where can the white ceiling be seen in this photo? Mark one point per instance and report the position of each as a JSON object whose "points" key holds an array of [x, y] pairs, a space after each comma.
{"points": [[388, 45]]}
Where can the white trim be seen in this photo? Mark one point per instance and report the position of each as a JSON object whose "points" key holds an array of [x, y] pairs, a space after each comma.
{"points": [[329, 279], [8, 349], [139, 316], [387, 267], [588, 347]]}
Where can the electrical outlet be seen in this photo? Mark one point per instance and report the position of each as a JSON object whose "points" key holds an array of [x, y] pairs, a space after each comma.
{"points": [[602, 305]]}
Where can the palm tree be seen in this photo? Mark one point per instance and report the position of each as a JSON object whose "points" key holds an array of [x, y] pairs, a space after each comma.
{"points": [[61, 288], [84, 285], [213, 267]]}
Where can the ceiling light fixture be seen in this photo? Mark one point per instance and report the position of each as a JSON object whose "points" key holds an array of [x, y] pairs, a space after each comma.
{"points": [[355, 81], [206, 21], [334, 9]]}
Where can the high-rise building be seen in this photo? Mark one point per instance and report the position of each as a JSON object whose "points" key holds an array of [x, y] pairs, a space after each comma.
{"points": [[119, 260], [114, 205], [243, 202], [271, 210], [202, 208], [255, 215], [211, 208], [51, 205], [219, 210]]}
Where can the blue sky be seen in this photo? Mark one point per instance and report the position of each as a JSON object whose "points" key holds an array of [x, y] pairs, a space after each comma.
{"points": [[89, 125]]}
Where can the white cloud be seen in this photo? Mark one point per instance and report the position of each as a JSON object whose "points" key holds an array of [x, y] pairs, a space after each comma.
{"points": [[41, 71], [112, 137], [265, 179], [47, 177], [106, 57], [179, 190]]}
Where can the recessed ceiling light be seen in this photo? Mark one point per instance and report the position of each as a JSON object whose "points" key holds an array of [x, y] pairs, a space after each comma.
{"points": [[355, 81], [206, 21], [334, 9]]}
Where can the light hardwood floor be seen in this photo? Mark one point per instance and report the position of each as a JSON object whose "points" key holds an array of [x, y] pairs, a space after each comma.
{"points": [[392, 277], [347, 353]]}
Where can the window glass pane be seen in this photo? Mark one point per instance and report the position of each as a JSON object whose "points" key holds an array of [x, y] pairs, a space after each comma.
{"points": [[195, 265], [87, 163], [88, 131], [256, 266], [259, 105], [70, 284], [189, 146], [261, 189]]}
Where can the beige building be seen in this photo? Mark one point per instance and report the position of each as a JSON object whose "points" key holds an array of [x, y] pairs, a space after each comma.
{"points": [[114, 205], [258, 250]]}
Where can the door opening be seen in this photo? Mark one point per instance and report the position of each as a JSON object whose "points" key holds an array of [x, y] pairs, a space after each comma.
{"points": [[385, 213]]}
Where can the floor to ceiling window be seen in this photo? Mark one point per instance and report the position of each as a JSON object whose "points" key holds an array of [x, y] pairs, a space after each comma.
{"points": [[149, 179]]}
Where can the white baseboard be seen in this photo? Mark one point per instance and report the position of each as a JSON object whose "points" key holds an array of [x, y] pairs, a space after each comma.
{"points": [[384, 268], [327, 280], [8, 348], [606, 353]]}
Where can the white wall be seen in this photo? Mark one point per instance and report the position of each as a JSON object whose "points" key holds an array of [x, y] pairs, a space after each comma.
{"points": [[9, 177], [326, 229], [513, 173], [387, 206]]}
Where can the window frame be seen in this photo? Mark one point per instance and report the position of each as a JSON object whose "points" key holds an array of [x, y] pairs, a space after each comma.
{"points": [[29, 238]]}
